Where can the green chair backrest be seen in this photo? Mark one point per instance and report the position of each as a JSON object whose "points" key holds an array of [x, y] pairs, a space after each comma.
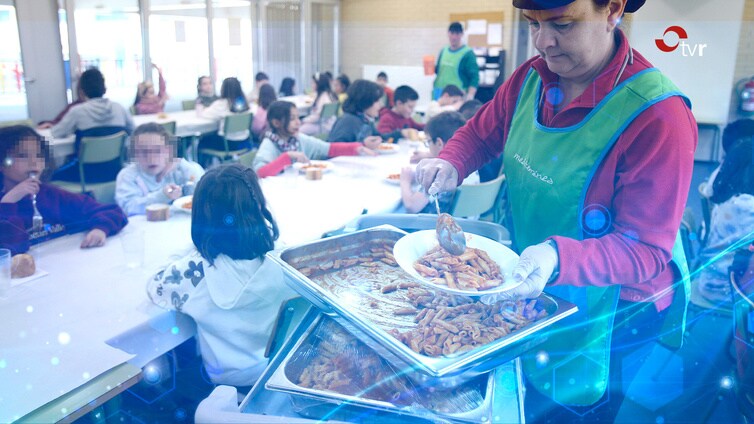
{"points": [[329, 110], [169, 127], [99, 150], [24, 122], [237, 122], [188, 104], [247, 159], [473, 200]]}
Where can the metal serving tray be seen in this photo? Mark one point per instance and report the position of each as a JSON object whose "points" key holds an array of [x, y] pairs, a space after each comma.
{"points": [[471, 402], [353, 306]]}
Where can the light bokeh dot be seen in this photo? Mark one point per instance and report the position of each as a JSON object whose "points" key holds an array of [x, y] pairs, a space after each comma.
{"points": [[64, 338], [29, 309], [55, 360], [29, 387], [3, 364], [86, 375], [22, 334], [174, 330]]}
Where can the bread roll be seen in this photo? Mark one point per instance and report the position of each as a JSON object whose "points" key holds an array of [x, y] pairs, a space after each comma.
{"points": [[22, 266], [158, 212]]}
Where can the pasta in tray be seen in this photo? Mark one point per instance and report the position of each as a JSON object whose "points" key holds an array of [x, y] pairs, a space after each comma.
{"points": [[472, 270]]}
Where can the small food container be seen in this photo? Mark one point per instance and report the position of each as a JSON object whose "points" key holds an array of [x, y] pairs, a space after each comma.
{"points": [[158, 212], [313, 173]]}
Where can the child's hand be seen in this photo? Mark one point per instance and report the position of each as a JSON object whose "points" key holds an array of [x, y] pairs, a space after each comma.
{"points": [[373, 142], [363, 151], [172, 191], [29, 186], [417, 156], [297, 157], [94, 238]]}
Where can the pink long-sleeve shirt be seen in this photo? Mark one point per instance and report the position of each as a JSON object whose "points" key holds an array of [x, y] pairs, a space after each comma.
{"points": [[643, 181]]}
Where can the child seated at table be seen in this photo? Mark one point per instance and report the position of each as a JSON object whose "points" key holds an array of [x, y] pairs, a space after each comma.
{"points": [[450, 100], [400, 115], [312, 124], [259, 121], [24, 156], [205, 93], [439, 130], [283, 144], [156, 176], [147, 101], [360, 111], [225, 284]]}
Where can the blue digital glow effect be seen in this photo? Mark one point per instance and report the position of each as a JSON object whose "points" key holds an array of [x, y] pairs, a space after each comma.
{"points": [[175, 330], [229, 219], [152, 374], [726, 382], [596, 220]]}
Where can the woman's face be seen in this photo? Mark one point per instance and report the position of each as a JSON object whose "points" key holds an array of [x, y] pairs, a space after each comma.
{"points": [[206, 87], [25, 159], [574, 40], [374, 110]]}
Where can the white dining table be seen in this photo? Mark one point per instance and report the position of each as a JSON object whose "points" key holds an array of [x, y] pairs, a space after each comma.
{"points": [[86, 316], [305, 209], [303, 102]]}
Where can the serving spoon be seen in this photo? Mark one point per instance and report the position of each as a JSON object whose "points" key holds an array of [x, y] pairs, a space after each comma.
{"points": [[449, 233]]}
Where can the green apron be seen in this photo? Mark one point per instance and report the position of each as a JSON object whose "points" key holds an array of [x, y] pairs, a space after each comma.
{"points": [[549, 171], [447, 69]]}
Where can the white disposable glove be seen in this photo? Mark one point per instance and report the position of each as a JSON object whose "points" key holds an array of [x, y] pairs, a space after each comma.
{"points": [[535, 267], [436, 176]]}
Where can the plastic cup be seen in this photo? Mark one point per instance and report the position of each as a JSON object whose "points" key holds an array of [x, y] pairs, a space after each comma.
{"points": [[429, 65], [133, 248], [5, 264]]}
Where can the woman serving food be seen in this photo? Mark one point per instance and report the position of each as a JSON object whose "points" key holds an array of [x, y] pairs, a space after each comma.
{"points": [[598, 150]]}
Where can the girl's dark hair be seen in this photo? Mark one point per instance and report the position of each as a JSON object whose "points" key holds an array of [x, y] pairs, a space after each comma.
{"points": [[266, 96], [344, 81], [199, 84], [230, 215], [736, 174], [280, 110], [737, 130], [286, 87], [361, 95], [323, 87], [232, 92], [10, 139]]}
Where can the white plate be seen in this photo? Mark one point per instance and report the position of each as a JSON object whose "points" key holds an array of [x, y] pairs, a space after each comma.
{"points": [[179, 202], [387, 148], [413, 246], [395, 181], [325, 165]]}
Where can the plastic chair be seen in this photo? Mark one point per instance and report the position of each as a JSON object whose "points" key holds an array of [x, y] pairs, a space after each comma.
{"points": [[423, 221], [169, 127], [475, 200], [247, 159], [329, 111], [233, 124], [188, 104], [96, 150]]}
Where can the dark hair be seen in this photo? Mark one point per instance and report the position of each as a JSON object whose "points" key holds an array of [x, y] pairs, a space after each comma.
{"points": [[286, 87], [229, 215], [469, 108], [261, 76], [452, 90], [199, 84], [280, 110], [742, 268], [344, 81], [405, 94], [329, 75], [323, 87], [455, 28], [443, 126], [361, 96], [11, 137], [153, 128], [232, 92], [383, 75], [92, 83], [266, 96], [736, 174], [737, 130]]}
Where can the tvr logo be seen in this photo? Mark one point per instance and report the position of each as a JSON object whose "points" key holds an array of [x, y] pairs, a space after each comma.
{"points": [[686, 48]]}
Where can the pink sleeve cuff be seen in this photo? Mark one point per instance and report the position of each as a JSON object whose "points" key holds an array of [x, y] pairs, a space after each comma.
{"points": [[343, 149], [275, 167]]}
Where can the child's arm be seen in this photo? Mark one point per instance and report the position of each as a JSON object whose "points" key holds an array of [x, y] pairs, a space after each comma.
{"points": [[81, 212], [66, 126], [162, 94], [172, 287], [270, 161], [130, 197], [413, 201], [13, 236]]}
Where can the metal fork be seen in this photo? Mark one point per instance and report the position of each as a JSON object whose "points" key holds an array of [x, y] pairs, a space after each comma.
{"points": [[37, 222]]}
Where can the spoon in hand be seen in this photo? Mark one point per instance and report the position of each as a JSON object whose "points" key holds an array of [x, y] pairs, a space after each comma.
{"points": [[449, 233]]}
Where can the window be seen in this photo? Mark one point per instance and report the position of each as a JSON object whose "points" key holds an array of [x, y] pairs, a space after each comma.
{"points": [[231, 31], [12, 89]]}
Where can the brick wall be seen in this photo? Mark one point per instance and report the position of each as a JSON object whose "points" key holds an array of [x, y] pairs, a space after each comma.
{"points": [[401, 32]]}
